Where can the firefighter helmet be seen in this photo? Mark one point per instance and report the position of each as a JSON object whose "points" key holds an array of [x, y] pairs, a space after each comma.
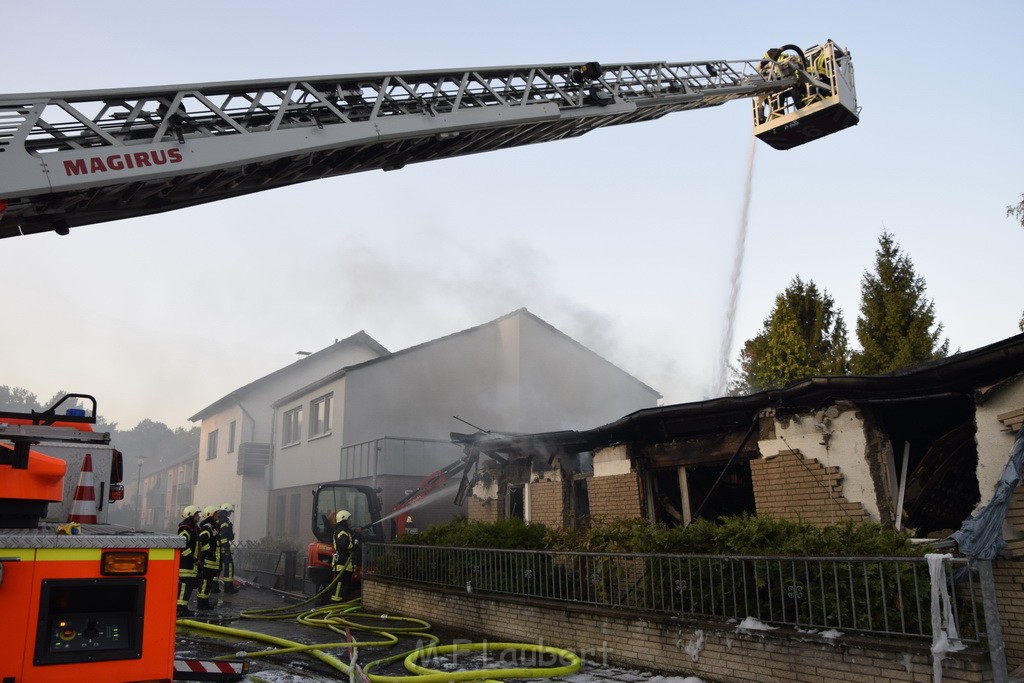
{"points": [[209, 510], [227, 507], [189, 511], [342, 516]]}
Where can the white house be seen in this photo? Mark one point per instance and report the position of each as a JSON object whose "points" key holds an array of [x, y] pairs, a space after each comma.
{"points": [[237, 432]]}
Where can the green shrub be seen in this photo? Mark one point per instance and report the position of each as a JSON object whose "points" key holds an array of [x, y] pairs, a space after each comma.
{"points": [[738, 535], [505, 534]]}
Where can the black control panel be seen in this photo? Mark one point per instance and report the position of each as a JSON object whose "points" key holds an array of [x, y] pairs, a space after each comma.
{"points": [[87, 620]]}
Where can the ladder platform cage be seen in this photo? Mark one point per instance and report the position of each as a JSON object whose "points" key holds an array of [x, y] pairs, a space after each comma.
{"points": [[823, 101]]}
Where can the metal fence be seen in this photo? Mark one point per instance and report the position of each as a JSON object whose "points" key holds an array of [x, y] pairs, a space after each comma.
{"points": [[884, 596], [272, 568]]}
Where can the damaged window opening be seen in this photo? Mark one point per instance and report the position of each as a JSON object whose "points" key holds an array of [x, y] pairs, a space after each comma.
{"points": [[515, 502], [941, 486], [580, 503], [734, 494]]}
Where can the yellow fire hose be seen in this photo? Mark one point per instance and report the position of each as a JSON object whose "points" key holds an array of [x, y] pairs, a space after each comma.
{"points": [[343, 618]]}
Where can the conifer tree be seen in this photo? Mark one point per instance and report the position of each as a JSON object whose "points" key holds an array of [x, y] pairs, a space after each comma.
{"points": [[896, 327], [804, 336], [1016, 211]]}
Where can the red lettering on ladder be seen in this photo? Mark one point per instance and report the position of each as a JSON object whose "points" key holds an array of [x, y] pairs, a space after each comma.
{"points": [[119, 162]]}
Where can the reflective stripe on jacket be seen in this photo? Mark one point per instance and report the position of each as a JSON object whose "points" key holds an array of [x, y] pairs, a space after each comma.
{"points": [[209, 545]]}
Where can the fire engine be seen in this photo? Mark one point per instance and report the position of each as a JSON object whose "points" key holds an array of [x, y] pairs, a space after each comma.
{"points": [[82, 599]]}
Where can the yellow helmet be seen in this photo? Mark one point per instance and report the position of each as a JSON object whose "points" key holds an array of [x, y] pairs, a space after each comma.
{"points": [[227, 507], [209, 510], [342, 516], [189, 511]]}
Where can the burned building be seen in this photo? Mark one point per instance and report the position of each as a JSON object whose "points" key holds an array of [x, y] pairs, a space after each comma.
{"points": [[922, 448]]}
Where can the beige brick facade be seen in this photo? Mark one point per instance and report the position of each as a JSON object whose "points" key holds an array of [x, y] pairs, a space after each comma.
{"points": [[1009, 579], [615, 496], [715, 652], [486, 510], [791, 486], [548, 503]]}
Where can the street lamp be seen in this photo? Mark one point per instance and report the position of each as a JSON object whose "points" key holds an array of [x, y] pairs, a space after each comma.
{"points": [[138, 493]]}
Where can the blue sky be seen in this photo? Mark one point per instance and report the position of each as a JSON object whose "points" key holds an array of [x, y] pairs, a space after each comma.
{"points": [[624, 238]]}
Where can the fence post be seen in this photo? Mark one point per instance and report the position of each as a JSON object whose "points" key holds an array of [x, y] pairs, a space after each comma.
{"points": [[290, 559], [993, 627]]}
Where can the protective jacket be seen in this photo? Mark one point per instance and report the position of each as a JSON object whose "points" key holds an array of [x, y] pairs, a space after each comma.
{"points": [[226, 530], [343, 546], [189, 565], [209, 544]]}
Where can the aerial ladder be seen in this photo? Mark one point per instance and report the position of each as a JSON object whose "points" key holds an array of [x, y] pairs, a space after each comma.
{"points": [[69, 159]]}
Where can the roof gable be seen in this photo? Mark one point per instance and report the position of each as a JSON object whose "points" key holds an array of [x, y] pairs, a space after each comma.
{"points": [[237, 396]]}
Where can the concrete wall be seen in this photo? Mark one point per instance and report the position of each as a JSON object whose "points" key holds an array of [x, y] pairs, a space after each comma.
{"points": [[515, 374], [218, 480], [311, 460], [564, 385], [995, 436], [709, 650]]}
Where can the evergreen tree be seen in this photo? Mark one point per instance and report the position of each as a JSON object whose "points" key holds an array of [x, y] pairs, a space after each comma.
{"points": [[803, 337], [896, 327], [1016, 211]]}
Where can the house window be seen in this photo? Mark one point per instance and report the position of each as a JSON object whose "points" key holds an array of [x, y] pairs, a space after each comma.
{"points": [[231, 437], [320, 415], [211, 445], [292, 428]]}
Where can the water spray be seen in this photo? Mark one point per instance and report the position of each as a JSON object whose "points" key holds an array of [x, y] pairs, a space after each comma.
{"points": [[722, 380]]}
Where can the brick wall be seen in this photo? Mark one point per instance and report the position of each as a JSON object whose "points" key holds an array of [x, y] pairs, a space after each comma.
{"points": [[1009, 579], [791, 486], [711, 651], [483, 510], [615, 496], [547, 503]]}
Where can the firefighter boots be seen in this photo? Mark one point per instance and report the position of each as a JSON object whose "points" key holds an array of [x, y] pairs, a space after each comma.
{"points": [[184, 611], [206, 603]]}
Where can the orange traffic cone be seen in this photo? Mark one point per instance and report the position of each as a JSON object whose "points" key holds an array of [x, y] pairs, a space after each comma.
{"points": [[83, 508]]}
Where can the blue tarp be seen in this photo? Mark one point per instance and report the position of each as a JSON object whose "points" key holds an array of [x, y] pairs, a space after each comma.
{"points": [[981, 536]]}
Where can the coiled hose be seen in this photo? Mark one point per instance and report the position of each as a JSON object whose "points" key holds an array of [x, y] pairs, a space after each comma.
{"points": [[344, 618]]}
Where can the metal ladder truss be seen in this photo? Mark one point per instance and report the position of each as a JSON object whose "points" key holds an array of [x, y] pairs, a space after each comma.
{"points": [[76, 158]]}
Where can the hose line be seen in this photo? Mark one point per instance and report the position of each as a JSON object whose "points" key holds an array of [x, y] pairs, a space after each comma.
{"points": [[383, 631]]}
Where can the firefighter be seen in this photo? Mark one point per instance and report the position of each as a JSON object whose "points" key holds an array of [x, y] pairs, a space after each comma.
{"points": [[227, 534], [209, 549], [343, 562], [188, 568]]}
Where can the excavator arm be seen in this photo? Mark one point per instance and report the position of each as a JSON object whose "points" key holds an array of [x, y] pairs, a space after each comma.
{"points": [[76, 158]]}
